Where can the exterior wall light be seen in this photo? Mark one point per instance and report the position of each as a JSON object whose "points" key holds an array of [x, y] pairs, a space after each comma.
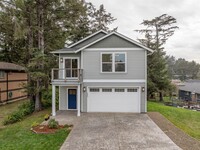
{"points": [[84, 89], [61, 60], [143, 89]]}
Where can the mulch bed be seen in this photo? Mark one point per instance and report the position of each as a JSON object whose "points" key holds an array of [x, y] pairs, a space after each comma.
{"points": [[44, 129], [179, 137]]}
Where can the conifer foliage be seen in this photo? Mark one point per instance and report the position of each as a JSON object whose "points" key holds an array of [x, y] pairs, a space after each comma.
{"points": [[31, 29], [156, 33]]}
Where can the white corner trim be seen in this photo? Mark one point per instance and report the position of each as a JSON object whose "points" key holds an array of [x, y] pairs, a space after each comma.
{"points": [[87, 38], [115, 80], [145, 67], [81, 59]]}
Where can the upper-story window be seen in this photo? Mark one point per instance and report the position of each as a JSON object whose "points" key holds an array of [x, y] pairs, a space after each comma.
{"points": [[113, 62], [2, 74]]}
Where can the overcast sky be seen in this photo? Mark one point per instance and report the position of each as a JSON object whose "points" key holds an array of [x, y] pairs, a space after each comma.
{"points": [[185, 43]]}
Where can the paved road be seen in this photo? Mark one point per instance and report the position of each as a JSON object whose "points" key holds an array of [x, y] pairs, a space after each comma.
{"points": [[117, 131]]}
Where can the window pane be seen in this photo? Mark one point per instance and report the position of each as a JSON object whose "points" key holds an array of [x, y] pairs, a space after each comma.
{"points": [[67, 63], [132, 90], [74, 63], [119, 57], [68, 72], [74, 73], [107, 67], [106, 57], [119, 67], [1, 74], [94, 89], [106, 90], [119, 90]]}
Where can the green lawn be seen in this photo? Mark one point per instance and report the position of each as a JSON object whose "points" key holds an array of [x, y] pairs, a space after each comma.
{"points": [[18, 136], [9, 108], [187, 120]]}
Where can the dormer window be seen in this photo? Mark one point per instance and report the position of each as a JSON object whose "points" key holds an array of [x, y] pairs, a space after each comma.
{"points": [[113, 62]]}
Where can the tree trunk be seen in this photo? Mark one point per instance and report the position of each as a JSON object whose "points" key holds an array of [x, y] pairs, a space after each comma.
{"points": [[38, 105], [40, 17], [29, 49], [40, 24], [160, 96]]}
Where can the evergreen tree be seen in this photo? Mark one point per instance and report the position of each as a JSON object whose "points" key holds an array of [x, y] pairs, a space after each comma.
{"points": [[157, 32], [30, 29]]}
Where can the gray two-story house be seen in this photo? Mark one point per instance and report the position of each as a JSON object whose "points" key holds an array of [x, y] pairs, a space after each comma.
{"points": [[104, 72]]}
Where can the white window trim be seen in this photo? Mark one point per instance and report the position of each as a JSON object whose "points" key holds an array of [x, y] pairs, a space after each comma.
{"points": [[64, 58], [113, 62]]}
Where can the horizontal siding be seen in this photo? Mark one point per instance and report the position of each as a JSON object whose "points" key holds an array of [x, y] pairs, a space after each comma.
{"points": [[135, 66]]}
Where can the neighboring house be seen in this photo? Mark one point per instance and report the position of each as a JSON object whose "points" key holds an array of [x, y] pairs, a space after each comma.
{"points": [[104, 72], [12, 77], [190, 90], [176, 83]]}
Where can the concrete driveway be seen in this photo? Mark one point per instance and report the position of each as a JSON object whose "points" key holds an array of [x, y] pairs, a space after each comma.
{"points": [[117, 131]]}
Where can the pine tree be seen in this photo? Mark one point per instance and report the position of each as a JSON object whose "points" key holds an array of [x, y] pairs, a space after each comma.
{"points": [[31, 29], [157, 32]]}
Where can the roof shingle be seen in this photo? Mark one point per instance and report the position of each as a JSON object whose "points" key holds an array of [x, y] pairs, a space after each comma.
{"points": [[11, 66]]}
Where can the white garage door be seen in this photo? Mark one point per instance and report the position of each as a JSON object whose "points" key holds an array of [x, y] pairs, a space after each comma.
{"points": [[113, 100]]}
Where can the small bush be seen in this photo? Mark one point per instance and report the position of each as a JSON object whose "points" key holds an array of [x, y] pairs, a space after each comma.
{"points": [[46, 117], [53, 124], [34, 124], [22, 111]]}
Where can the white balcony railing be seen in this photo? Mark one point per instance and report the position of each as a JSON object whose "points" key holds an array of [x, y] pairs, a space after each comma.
{"points": [[66, 74]]}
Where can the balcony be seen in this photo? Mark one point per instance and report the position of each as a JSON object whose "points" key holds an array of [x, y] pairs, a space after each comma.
{"points": [[65, 75]]}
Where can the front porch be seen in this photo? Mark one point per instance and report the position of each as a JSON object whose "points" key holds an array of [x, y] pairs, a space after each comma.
{"points": [[69, 81], [69, 98]]}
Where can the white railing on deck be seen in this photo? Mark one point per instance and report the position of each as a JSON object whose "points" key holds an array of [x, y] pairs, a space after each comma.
{"points": [[66, 74]]}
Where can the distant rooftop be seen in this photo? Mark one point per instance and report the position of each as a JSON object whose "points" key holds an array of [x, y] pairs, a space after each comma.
{"points": [[10, 66], [191, 86]]}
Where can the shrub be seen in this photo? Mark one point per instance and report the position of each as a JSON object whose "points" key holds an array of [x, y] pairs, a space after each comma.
{"points": [[34, 124], [47, 98], [46, 117], [22, 111], [53, 124]]}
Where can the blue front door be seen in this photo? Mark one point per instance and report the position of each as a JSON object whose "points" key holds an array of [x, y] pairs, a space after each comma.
{"points": [[71, 98]]}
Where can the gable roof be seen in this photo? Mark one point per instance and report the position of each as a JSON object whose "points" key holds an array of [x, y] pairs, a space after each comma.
{"points": [[83, 44], [191, 86], [117, 34], [86, 38], [11, 66]]}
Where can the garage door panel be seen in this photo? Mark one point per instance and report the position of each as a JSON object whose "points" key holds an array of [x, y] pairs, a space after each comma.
{"points": [[113, 101]]}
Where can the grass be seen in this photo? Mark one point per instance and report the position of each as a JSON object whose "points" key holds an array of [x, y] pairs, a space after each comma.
{"points": [[18, 136], [8, 108], [187, 120]]}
